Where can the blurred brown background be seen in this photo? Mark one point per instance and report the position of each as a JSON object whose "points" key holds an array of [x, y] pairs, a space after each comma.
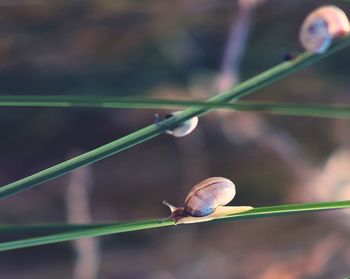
{"points": [[172, 49]]}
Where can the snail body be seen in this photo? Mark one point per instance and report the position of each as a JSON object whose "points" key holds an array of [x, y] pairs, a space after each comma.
{"points": [[321, 27], [206, 201]]}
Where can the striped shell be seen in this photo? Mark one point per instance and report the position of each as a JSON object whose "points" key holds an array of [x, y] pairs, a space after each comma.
{"points": [[183, 129], [322, 26], [207, 195]]}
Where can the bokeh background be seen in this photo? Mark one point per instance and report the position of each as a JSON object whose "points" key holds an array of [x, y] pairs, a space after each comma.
{"points": [[172, 49]]}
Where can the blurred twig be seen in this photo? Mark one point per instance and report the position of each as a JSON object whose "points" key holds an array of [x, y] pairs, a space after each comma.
{"points": [[252, 127], [236, 44], [78, 211]]}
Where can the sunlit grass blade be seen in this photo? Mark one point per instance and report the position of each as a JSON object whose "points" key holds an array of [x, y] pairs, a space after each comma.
{"points": [[327, 111], [243, 89], [75, 233]]}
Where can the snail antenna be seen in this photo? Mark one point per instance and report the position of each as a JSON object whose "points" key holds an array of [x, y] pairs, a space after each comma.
{"points": [[157, 119], [172, 208]]}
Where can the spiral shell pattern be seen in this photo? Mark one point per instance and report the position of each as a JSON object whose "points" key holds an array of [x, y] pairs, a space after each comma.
{"points": [[321, 27], [207, 195]]}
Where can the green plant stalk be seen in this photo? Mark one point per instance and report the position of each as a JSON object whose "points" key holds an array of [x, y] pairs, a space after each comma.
{"points": [[243, 89], [41, 228], [328, 111], [93, 230]]}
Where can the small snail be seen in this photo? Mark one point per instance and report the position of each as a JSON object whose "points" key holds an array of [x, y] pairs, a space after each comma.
{"points": [[183, 129], [206, 201], [321, 27]]}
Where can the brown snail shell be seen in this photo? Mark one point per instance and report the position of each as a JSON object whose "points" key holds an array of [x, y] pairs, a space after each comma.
{"points": [[208, 195]]}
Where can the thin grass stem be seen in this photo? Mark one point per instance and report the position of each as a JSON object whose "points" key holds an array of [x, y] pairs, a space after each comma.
{"points": [[92, 230], [314, 110], [241, 90]]}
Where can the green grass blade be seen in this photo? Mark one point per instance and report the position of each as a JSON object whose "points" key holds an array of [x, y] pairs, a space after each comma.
{"points": [[328, 111], [13, 229], [243, 89], [100, 230]]}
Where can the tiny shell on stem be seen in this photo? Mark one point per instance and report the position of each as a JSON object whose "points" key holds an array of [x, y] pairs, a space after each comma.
{"points": [[184, 128], [321, 27]]}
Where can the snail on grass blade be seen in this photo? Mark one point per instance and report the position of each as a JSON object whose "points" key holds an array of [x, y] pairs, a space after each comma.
{"points": [[321, 27], [206, 201], [183, 129]]}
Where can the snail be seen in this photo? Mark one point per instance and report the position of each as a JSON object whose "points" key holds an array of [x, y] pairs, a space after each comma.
{"points": [[183, 129], [206, 201], [321, 27]]}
